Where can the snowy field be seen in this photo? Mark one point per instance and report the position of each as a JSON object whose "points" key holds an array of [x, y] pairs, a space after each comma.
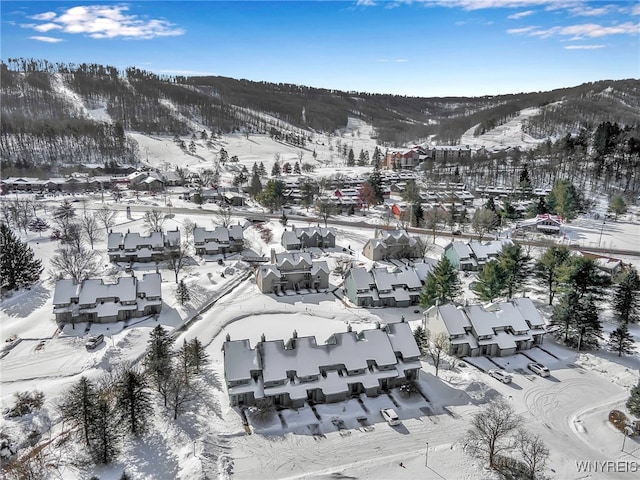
{"points": [[569, 409]]}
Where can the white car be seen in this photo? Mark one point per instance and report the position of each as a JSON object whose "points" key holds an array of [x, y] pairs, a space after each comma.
{"points": [[539, 369], [93, 342], [501, 375], [390, 415]]}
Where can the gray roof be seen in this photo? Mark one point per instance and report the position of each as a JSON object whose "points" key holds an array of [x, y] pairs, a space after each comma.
{"points": [[454, 319]]}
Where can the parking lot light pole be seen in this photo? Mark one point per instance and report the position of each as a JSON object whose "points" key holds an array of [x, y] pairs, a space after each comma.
{"points": [[426, 455]]}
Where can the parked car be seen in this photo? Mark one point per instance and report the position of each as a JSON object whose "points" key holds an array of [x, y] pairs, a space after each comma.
{"points": [[390, 415], [539, 369], [94, 341], [501, 375]]}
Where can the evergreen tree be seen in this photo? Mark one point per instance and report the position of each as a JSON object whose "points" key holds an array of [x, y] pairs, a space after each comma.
{"points": [[442, 284], [78, 407], [585, 278], [552, 269], [37, 225], [515, 266], [262, 170], [491, 281], [272, 195], [633, 403], [182, 293], [563, 316], [157, 358], [420, 336], [105, 433], [296, 168], [626, 301], [133, 401], [198, 357], [588, 325], [376, 158], [490, 205], [275, 170], [617, 206], [621, 341], [286, 168], [375, 180], [351, 158], [256, 185], [18, 266], [563, 199]]}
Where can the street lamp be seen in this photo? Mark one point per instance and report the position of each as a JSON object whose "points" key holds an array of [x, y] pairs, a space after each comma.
{"points": [[426, 455]]}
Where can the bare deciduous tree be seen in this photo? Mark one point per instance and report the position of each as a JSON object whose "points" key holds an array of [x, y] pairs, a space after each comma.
{"points": [[223, 216], [107, 217], [437, 347], [533, 453], [178, 258], [75, 263], [154, 220], [90, 225], [491, 431]]}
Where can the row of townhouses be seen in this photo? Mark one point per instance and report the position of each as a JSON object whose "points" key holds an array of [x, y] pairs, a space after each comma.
{"points": [[497, 330], [292, 373]]}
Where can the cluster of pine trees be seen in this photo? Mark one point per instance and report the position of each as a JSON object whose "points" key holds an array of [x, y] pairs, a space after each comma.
{"points": [[102, 413]]}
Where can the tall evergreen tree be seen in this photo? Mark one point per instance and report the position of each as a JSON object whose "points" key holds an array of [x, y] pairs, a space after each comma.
{"points": [[515, 265], [585, 278], [633, 403], [420, 336], [182, 293], [18, 266], [563, 199], [157, 358], [442, 284], [491, 281], [552, 269], [564, 315], [626, 296], [256, 185], [621, 341], [133, 401], [105, 433], [588, 325], [78, 407]]}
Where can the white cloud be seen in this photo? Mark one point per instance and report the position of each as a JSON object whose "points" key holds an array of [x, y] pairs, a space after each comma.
{"points": [[586, 11], [45, 27], [44, 16], [583, 47], [104, 21], [46, 39], [585, 30], [516, 16]]}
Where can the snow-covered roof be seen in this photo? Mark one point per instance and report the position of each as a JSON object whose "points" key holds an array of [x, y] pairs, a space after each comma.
{"points": [[529, 311], [508, 314], [461, 249], [239, 360], [454, 319], [362, 278]]}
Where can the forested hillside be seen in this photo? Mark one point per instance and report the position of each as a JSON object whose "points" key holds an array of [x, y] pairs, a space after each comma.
{"points": [[55, 114]]}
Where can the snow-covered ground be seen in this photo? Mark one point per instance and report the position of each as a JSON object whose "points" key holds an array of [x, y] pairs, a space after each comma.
{"points": [[569, 409], [509, 134]]}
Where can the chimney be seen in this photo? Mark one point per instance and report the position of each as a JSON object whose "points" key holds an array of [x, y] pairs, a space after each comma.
{"points": [[349, 328], [295, 334], [263, 338], [228, 337], [378, 325]]}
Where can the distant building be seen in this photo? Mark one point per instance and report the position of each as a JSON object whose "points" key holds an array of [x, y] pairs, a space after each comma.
{"points": [[472, 256], [133, 247], [92, 300], [220, 240], [379, 287], [299, 238], [348, 365], [497, 330], [545, 223], [292, 271], [389, 244]]}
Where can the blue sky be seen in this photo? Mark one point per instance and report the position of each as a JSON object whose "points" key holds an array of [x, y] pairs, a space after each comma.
{"points": [[413, 47]]}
